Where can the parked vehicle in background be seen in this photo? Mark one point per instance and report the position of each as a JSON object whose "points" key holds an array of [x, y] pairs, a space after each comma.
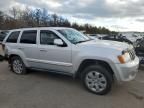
{"points": [[117, 38], [132, 36], [93, 36], [139, 49], [97, 36], [3, 35], [65, 50], [132, 39]]}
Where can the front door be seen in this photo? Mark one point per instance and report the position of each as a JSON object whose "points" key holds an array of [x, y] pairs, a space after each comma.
{"points": [[53, 57]]}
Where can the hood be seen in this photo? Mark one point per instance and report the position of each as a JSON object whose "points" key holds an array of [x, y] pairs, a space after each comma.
{"points": [[107, 44]]}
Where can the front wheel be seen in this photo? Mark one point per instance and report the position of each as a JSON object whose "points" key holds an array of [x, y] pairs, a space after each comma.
{"points": [[97, 79]]}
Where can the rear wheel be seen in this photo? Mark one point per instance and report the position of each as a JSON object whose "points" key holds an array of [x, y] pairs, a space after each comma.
{"points": [[17, 65], [97, 79]]}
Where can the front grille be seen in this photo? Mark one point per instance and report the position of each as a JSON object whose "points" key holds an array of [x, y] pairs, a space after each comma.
{"points": [[132, 54]]}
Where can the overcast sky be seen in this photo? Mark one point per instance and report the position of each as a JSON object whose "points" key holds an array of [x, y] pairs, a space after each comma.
{"points": [[119, 15]]}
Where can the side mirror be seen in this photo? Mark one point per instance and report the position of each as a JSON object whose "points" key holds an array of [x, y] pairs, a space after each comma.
{"points": [[58, 42], [1, 58]]}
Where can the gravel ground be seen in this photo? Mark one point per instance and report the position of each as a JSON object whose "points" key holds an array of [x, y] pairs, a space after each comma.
{"points": [[45, 90], [41, 89]]}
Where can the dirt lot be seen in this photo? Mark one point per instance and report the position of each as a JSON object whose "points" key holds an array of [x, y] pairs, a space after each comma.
{"points": [[45, 90]]}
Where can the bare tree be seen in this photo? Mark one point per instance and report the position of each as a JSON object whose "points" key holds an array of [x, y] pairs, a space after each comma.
{"points": [[45, 18], [1, 19], [38, 14], [13, 12], [40, 17], [54, 19]]}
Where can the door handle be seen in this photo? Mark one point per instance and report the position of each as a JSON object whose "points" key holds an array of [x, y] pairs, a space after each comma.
{"points": [[21, 48], [43, 50]]}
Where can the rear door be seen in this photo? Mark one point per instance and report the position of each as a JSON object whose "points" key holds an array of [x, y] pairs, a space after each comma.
{"points": [[28, 46]]}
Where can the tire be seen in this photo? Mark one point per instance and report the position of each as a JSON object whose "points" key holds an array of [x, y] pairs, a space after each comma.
{"points": [[17, 65], [97, 79]]}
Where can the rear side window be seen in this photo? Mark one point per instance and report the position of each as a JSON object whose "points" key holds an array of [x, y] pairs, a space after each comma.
{"points": [[13, 37], [29, 37]]}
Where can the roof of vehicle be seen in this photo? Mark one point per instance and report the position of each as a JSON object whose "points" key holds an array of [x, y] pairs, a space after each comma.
{"points": [[35, 28]]}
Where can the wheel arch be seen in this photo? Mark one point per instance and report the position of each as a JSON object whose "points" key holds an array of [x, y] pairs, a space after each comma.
{"points": [[88, 62], [13, 55]]}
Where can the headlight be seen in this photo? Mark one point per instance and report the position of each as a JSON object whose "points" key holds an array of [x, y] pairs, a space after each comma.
{"points": [[124, 58]]}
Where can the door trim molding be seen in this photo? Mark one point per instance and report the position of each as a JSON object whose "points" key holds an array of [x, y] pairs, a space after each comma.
{"points": [[50, 62]]}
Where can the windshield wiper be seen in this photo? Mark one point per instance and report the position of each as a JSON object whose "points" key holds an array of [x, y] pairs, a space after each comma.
{"points": [[83, 41]]}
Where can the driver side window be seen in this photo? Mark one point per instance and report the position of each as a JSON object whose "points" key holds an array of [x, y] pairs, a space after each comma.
{"points": [[47, 37]]}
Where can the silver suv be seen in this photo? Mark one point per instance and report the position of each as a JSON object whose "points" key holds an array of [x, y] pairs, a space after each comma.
{"points": [[65, 50]]}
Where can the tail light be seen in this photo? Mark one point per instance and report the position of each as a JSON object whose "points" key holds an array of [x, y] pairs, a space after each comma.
{"points": [[3, 46]]}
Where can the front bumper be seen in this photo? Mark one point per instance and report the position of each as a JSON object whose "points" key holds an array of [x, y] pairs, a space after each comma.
{"points": [[128, 71]]}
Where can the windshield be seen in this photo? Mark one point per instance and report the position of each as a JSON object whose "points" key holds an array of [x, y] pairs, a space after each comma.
{"points": [[74, 36]]}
